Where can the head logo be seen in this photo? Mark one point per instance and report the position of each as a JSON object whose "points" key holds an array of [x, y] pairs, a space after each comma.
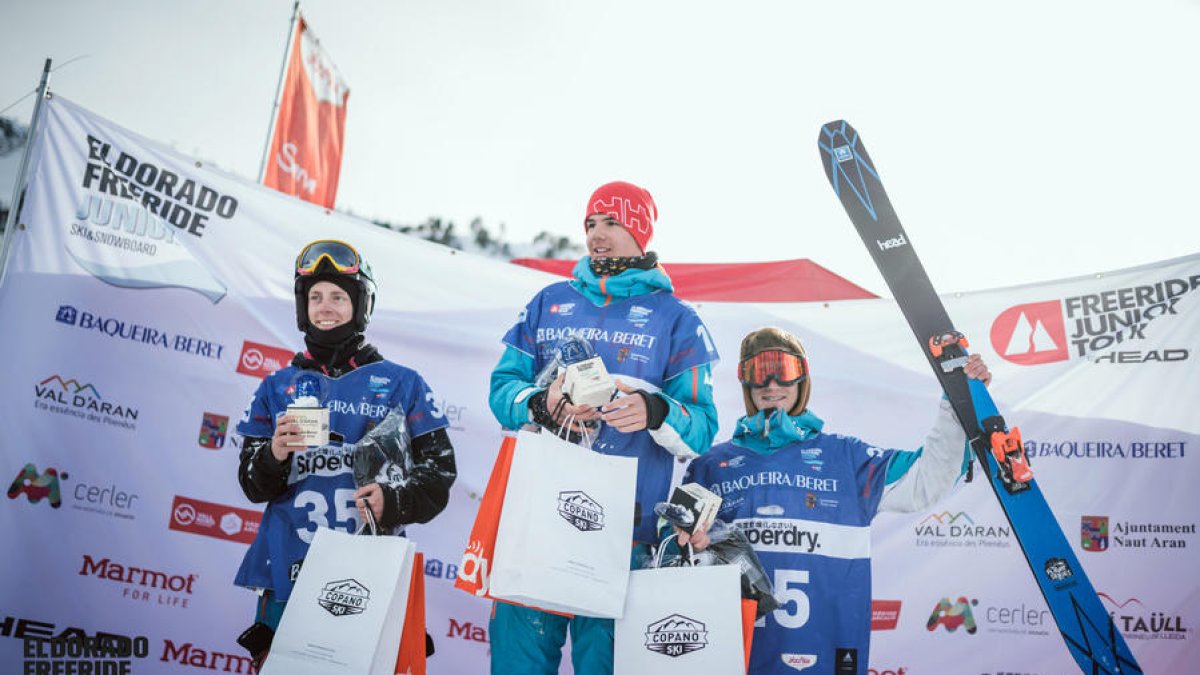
{"points": [[67, 314], [37, 486], [1031, 334], [581, 511], [953, 615], [676, 635], [344, 597], [212, 430], [1093, 532]]}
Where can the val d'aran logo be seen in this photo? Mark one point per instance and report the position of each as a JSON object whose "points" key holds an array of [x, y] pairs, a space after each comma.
{"points": [[344, 597], [581, 511], [676, 635], [130, 224]]}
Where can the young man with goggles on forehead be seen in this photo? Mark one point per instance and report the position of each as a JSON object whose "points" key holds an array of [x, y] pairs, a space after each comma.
{"points": [[310, 487], [836, 485]]}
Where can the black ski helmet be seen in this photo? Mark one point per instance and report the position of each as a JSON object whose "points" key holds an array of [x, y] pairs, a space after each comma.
{"points": [[337, 262]]}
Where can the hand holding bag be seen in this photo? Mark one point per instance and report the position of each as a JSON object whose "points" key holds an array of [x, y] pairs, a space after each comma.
{"points": [[563, 541], [346, 612], [684, 620]]}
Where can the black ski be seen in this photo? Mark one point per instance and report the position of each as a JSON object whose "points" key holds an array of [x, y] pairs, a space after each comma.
{"points": [[1086, 627]]}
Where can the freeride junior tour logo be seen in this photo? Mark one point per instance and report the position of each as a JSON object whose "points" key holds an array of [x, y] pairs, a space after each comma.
{"points": [[1080, 326]]}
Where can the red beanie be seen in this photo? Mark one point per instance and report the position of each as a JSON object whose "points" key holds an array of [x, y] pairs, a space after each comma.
{"points": [[631, 205]]}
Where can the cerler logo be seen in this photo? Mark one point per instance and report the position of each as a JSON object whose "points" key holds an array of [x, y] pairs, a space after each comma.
{"points": [[953, 615], [1082, 325], [37, 486], [259, 360]]}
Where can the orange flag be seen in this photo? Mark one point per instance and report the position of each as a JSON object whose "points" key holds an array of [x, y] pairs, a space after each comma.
{"points": [[305, 154]]}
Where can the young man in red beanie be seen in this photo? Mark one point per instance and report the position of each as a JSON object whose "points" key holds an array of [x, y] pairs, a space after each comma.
{"points": [[659, 353]]}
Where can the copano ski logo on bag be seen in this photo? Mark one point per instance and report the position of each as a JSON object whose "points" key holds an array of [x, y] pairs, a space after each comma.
{"points": [[676, 635], [1077, 327], [581, 511], [344, 597]]}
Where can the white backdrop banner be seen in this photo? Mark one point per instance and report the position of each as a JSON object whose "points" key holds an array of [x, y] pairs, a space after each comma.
{"points": [[146, 294]]}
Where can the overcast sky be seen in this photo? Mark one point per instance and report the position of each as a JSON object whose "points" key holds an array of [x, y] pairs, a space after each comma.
{"points": [[1020, 141]]}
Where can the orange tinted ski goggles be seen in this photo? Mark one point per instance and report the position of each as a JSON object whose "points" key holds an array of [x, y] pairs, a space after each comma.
{"points": [[783, 367], [328, 252]]}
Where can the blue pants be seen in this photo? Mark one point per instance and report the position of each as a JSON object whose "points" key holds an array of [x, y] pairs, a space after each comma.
{"points": [[528, 642]]}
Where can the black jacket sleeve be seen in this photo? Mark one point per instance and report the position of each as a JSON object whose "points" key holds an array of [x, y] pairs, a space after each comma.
{"points": [[261, 476], [426, 490]]}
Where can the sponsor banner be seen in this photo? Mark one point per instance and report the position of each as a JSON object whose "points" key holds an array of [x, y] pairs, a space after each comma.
{"points": [[155, 268], [214, 520], [305, 156]]}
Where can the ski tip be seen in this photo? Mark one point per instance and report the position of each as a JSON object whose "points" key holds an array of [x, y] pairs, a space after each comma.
{"points": [[836, 128]]}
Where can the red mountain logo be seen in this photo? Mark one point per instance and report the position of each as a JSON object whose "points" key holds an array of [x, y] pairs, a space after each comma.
{"points": [[1031, 334]]}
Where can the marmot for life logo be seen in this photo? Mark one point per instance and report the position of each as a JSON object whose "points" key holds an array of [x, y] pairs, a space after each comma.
{"points": [[344, 597], [1031, 334], [581, 511], [676, 635]]}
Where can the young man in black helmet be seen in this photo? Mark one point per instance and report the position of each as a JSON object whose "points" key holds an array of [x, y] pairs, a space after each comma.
{"points": [[811, 527], [310, 487]]}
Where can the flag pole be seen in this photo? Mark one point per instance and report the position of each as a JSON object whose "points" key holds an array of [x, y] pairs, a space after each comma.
{"points": [[23, 172], [287, 55]]}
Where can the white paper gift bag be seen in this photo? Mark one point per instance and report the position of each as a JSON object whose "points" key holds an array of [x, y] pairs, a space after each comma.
{"points": [[346, 611], [563, 542], [681, 620]]}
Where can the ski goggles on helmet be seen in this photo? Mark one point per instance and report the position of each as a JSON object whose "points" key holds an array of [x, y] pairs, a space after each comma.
{"points": [[328, 253], [783, 367]]}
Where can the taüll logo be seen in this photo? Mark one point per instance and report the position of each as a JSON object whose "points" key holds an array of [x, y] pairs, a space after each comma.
{"points": [[676, 635], [1031, 334], [37, 486], [212, 430], [953, 615], [344, 597], [1093, 533], [581, 511]]}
